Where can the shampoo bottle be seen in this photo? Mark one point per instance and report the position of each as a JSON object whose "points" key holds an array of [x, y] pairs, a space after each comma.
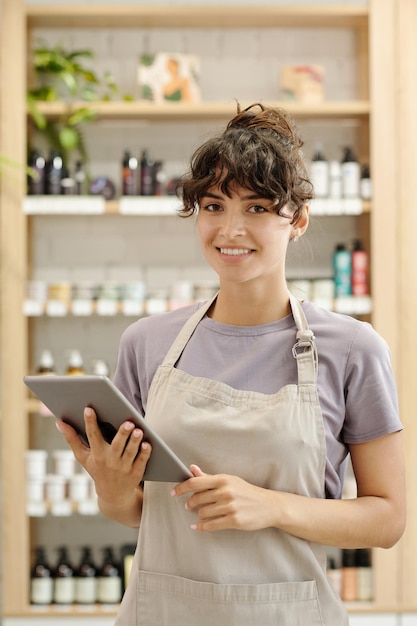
{"points": [[85, 579], [360, 268], [64, 579], [342, 271], [350, 174], [146, 175], [319, 172], [109, 590], [41, 581], [129, 174]]}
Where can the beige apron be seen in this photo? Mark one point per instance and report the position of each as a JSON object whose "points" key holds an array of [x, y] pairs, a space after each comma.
{"points": [[182, 577]]}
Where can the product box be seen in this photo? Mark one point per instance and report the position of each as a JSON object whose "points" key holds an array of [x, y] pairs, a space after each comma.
{"points": [[302, 83], [169, 77]]}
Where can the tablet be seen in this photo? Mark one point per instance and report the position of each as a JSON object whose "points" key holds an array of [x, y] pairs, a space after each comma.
{"points": [[67, 396]]}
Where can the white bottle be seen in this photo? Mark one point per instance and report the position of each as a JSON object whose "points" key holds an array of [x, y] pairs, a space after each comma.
{"points": [[319, 173], [351, 174], [335, 180]]}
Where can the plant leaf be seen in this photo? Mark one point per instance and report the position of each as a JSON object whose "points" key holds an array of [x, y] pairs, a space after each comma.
{"points": [[80, 116], [68, 138]]}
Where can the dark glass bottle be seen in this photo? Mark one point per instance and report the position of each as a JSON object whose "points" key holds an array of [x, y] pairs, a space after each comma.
{"points": [[36, 181], [146, 175], [54, 173], [109, 587], [85, 591], [129, 174], [63, 578], [41, 581]]}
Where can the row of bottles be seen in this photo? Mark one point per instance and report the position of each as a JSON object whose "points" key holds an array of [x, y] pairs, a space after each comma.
{"points": [[352, 575], [350, 270], [51, 177], [340, 179], [143, 176], [74, 364], [134, 298], [84, 584]]}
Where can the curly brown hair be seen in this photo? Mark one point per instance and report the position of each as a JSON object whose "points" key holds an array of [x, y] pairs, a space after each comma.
{"points": [[259, 150]]}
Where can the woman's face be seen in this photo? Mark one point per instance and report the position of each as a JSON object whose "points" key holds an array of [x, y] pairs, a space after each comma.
{"points": [[242, 237]]}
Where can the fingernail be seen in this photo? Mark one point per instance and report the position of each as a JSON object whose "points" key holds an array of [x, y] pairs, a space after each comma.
{"points": [[128, 426], [88, 412], [173, 492], [193, 526], [58, 425]]}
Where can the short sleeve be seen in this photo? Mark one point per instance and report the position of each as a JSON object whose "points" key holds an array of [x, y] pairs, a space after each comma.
{"points": [[370, 389]]}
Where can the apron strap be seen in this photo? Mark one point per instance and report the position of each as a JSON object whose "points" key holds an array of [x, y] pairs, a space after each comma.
{"points": [[185, 333], [304, 349]]}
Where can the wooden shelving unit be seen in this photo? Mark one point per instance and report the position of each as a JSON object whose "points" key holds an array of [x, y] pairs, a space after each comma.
{"points": [[386, 69]]}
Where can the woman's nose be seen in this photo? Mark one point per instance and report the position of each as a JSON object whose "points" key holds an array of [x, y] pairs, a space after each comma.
{"points": [[232, 226]]}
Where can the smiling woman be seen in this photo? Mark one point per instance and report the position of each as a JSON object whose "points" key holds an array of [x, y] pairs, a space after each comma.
{"points": [[263, 397]]}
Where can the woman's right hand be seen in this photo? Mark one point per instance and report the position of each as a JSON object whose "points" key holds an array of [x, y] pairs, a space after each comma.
{"points": [[117, 468]]}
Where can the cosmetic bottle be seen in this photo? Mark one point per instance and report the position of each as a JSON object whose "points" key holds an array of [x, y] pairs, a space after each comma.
{"points": [[129, 174], [41, 581], [46, 363], [349, 576], [75, 364], [319, 172], [360, 269], [334, 574], [342, 271], [63, 578], [350, 174], [36, 182], [146, 174], [335, 179], [85, 591], [365, 575], [365, 183], [109, 582], [54, 173]]}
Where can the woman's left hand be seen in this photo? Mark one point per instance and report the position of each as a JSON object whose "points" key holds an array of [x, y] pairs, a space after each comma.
{"points": [[225, 502]]}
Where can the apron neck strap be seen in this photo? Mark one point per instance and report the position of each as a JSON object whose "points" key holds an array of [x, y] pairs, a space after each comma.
{"points": [[185, 334], [304, 349]]}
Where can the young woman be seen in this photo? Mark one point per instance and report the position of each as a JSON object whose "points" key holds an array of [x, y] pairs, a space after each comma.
{"points": [[264, 397]]}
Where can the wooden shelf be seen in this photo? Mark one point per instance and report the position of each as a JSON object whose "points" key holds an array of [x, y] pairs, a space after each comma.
{"points": [[203, 111], [141, 206], [213, 16]]}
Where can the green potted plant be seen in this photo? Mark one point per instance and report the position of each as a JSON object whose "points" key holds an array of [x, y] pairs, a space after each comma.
{"points": [[60, 74]]}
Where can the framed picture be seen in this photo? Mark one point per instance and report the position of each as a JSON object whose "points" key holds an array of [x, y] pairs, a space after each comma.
{"points": [[302, 83], [169, 77]]}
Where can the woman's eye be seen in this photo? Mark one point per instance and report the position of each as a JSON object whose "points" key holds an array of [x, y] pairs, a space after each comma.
{"points": [[258, 209], [211, 207]]}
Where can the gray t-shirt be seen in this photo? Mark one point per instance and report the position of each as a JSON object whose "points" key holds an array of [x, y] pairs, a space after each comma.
{"points": [[356, 386]]}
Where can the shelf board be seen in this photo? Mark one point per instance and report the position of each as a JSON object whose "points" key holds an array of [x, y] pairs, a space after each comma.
{"points": [[202, 111], [371, 608], [209, 16], [141, 206]]}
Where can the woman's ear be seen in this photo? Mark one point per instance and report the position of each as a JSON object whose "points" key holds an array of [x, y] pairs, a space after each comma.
{"points": [[301, 225]]}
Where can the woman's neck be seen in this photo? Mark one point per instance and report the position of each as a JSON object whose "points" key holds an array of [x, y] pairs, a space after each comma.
{"points": [[244, 306]]}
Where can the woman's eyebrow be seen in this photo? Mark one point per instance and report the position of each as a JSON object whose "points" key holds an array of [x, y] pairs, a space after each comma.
{"points": [[209, 194]]}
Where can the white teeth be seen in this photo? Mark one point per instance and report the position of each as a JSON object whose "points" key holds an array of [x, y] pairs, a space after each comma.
{"points": [[234, 251]]}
